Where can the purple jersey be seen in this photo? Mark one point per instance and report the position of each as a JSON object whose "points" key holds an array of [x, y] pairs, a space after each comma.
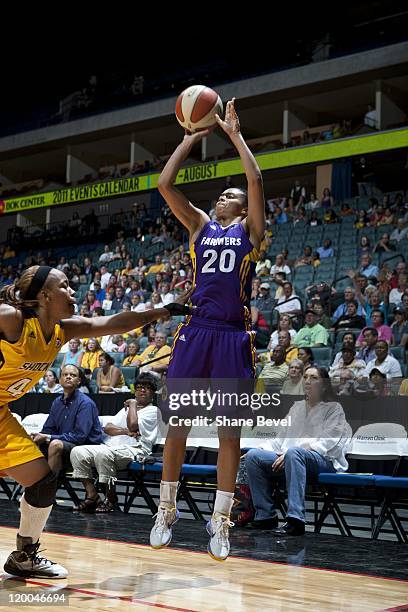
{"points": [[224, 263]]}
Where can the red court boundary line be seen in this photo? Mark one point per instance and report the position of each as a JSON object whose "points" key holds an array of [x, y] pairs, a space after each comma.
{"points": [[198, 552], [126, 598]]}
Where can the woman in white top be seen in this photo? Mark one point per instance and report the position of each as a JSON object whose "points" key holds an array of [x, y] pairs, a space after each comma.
{"points": [[314, 439], [49, 383], [284, 324]]}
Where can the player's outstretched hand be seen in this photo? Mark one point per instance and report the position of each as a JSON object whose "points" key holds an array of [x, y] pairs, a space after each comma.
{"points": [[197, 136], [178, 307], [230, 125]]}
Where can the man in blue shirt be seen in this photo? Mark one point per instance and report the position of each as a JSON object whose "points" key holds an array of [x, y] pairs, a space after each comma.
{"points": [[367, 267], [342, 309], [326, 250], [73, 420]]}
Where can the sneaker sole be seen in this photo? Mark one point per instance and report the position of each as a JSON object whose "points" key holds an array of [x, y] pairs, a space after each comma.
{"points": [[13, 571]]}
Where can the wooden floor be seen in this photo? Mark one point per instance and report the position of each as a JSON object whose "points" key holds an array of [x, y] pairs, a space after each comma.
{"points": [[106, 575]]}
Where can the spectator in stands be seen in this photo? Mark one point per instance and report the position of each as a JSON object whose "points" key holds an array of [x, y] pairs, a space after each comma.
{"points": [[131, 435], [299, 217], [74, 355], [158, 351], [399, 328], [372, 302], [313, 203], [109, 376], [326, 250], [343, 382], [378, 383], [284, 324], [73, 420], [297, 191], [342, 309], [294, 306], [89, 268], [136, 304], [403, 390], [119, 344], [285, 340], [388, 217], [330, 216], [131, 353], [306, 258], [293, 385], [105, 277], [314, 219], [376, 216], [275, 371], [384, 245], [280, 458], [384, 331], [279, 265], [312, 334], [386, 363], [322, 318], [140, 268], [305, 354], [346, 210], [280, 216], [100, 294], [400, 268], [157, 266], [367, 352], [166, 296], [119, 299], [362, 220], [364, 247], [91, 301], [49, 383], [90, 357], [348, 361], [327, 199], [351, 319], [400, 232], [107, 255], [396, 294], [155, 300], [263, 266], [265, 302]]}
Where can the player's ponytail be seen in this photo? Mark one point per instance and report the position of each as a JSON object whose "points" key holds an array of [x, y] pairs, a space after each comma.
{"points": [[14, 294]]}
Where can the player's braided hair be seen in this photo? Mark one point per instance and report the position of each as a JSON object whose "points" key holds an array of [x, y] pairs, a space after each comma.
{"points": [[14, 294]]}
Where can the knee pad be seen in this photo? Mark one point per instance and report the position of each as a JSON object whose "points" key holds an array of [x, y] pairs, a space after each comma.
{"points": [[42, 493]]}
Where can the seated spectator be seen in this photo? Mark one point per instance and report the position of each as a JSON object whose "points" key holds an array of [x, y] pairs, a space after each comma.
{"points": [[158, 351], [293, 385], [129, 436], [157, 266], [348, 361], [321, 291], [263, 266], [351, 319], [342, 309], [279, 265], [74, 354], [140, 268], [396, 294], [73, 420], [306, 258], [292, 458], [305, 354], [109, 377], [289, 302], [330, 217], [326, 250], [285, 340], [100, 294], [348, 339], [314, 219], [399, 328], [280, 217], [369, 301], [384, 245], [284, 324], [322, 318], [265, 301], [107, 255], [131, 353], [362, 219], [388, 217], [370, 337], [136, 304], [400, 232], [343, 382], [90, 356], [166, 296], [327, 199], [155, 300], [384, 331], [364, 247], [312, 334], [119, 299], [118, 344], [275, 372], [346, 210], [378, 381], [49, 383], [387, 364], [313, 203]]}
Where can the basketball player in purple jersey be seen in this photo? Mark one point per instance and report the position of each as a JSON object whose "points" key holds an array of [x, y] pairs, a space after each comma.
{"points": [[215, 343]]}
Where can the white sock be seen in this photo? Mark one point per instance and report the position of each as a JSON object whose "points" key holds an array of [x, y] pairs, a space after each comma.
{"points": [[223, 502], [168, 493], [32, 520]]}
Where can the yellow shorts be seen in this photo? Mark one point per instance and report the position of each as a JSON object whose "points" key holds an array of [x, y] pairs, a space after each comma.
{"points": [[16, 446]]}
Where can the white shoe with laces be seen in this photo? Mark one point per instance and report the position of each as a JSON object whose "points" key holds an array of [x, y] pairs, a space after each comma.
{"points": [[218, 530], [161, 533], [26, 562]]}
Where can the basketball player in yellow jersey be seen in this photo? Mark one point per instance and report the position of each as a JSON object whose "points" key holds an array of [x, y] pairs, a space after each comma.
{"points": [[36, 319]]}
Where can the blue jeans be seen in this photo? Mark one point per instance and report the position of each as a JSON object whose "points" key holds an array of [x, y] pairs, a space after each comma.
{"points": [[299, 464]]}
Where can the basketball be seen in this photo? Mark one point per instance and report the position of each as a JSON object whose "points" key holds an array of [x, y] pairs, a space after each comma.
{"points": [[197, 106]]}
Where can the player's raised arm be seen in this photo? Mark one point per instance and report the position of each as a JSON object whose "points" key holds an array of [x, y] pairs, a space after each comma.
{"points": [[191, 217], [255, 220], [77, 327]]}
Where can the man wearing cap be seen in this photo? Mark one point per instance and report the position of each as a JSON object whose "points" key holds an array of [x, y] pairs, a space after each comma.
{"points": [[265, 301], [100, 294], [312, 334], [348, 361]]}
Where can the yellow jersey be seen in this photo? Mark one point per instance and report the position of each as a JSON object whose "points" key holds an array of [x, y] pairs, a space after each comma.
{"points": [[23, 363]]}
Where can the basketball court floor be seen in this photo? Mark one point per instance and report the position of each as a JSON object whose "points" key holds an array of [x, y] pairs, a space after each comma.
{"points": [[113, 568]]}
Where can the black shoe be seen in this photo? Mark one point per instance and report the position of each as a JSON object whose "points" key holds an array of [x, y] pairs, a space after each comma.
{"points": [[292, 527], [270, 523]]}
